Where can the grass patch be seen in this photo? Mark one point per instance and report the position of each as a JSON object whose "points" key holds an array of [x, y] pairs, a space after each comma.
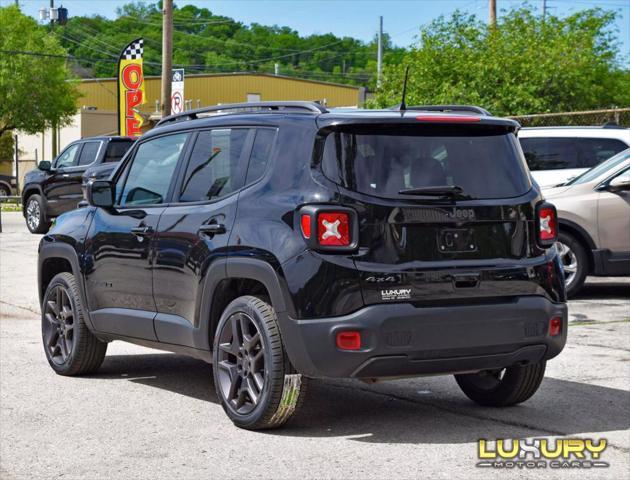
{"points": [[11, 207], [593, 322]]}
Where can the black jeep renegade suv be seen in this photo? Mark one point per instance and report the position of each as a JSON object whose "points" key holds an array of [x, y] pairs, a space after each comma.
{"points": [[282, 241]]}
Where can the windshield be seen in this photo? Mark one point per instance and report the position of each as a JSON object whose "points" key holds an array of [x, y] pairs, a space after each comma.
{"points": [[385, 161], [600, 169]]}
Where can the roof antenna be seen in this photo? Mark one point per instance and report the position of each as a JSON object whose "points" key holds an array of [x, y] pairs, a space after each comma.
{"points": [[403, 105]]}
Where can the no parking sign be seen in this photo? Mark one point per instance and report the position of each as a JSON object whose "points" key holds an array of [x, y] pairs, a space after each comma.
{"points": [[177, 91]]}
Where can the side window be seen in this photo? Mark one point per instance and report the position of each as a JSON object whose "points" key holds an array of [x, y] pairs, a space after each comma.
{"points": [[89, 152], [261, 152], [594, 151], [116, 150], [550, 153], [216, 167], [68, 157], [148, 175]]}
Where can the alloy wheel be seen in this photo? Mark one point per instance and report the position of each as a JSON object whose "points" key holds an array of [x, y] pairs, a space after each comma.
{"points": [[569, 262], [33, 214], [241, 363], [59, 325]]}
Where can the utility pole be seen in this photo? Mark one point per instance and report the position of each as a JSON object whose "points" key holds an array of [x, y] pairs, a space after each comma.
{"points": [[544, 9], [493, 13], [53, 129], [379, 53], [167, 55]]}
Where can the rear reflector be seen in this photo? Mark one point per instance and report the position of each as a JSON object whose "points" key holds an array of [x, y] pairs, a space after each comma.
{"points": [[448, 118], [333, 229], [555, 326], [349, 340], [306, 225]]}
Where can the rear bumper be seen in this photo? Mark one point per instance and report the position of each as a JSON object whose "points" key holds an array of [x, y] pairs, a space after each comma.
{"points": [[400, 339]]}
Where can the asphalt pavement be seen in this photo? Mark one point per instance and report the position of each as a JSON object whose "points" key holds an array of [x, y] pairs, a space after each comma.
{"points": [[153, 415]]}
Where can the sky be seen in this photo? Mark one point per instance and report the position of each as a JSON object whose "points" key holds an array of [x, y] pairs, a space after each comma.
{"points": [[356, 18]]}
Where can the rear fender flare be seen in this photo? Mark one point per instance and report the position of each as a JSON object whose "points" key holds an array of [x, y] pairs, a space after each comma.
{"points": [[67, 252]]}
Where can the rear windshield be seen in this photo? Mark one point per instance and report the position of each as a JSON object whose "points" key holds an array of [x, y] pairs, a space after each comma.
{"points": [[116, 150], [381, 162]]}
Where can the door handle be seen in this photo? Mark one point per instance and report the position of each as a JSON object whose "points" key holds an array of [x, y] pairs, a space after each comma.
{"points": [[212, 229], [142, 230], [65, 175]]}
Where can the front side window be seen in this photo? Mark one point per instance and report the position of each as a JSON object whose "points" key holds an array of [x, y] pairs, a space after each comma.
{"points": [[383, 162], [149, 174], [216, 167], [68, 157], [89, 152], [593, 151], [554, 153], [601, 169]]}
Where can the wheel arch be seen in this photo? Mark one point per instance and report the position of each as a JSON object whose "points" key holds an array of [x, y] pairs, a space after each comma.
{"points": [[56, 258], [28, 191], [582, 236], [6, 184], [242, 276]]}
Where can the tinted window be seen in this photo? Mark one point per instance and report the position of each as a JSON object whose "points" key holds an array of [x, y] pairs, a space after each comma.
{"points": [[547, 153], [149, 174], [594, 151], [116, 150], [261, 152], [216, 167], [485, 164], [68, 157], [88, 153], [601, 169], [550, 153]]}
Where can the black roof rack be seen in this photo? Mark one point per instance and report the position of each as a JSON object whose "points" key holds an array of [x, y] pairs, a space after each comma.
{"points": [[254, 107], [450, 108]]}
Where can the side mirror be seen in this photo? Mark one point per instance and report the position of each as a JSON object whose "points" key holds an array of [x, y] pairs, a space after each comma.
{"points": [[45, 165], [619, 184], [100, 193]]}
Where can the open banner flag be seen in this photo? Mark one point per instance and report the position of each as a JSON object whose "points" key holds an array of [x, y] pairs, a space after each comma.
{"points": [[130, 89]]}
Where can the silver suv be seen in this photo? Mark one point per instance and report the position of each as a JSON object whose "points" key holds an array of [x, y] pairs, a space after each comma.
{"points": [[594, 216]]}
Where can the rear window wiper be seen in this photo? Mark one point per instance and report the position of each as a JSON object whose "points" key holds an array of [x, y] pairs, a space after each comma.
{"points": [[453, 191]]}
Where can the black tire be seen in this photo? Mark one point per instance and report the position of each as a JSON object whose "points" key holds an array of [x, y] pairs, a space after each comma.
{"points": [[572, 252], [85, 353], [237, 367], [502, 388], [35, 215], [4, 191]]}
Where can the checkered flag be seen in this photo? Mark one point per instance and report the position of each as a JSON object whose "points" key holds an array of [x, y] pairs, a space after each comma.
{"points": [[134, 50]]}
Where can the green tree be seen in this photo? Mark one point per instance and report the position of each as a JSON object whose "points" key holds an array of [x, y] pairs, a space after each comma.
{"points": [[525, 65], [204, 43], [34, 90]]}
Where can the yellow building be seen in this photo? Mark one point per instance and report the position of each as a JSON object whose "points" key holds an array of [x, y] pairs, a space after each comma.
{"points": [[97, 107], [212, 89]]}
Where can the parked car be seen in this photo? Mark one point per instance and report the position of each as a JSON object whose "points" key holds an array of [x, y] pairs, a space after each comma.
{"points": [[594, 216], [557, 154], [54, 188], [8, 185], [281, 241]]}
